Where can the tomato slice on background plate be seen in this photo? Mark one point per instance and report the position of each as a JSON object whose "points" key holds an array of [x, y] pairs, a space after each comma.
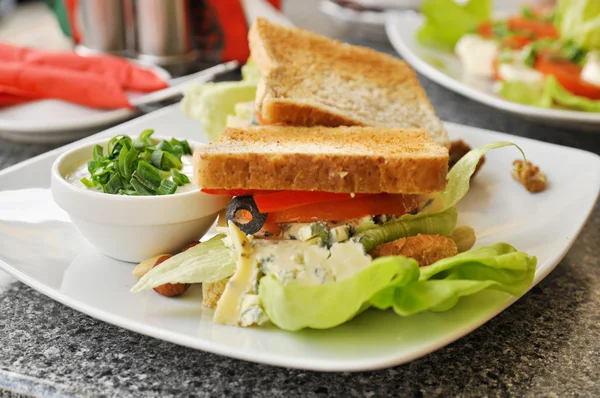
{"points": [[540, 29], [568, 75], [346, 209]]}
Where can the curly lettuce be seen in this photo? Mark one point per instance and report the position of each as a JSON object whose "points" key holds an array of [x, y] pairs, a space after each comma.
{"points": [[211, 103], [579, 21], [549, 95], [397, 282]]}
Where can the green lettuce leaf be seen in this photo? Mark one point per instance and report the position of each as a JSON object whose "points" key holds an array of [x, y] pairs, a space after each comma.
{"points": [[459, 177], [295, 306], [446, 21], [551, 94], [579, 20], [397, 282], [211, 103], [209, 261], [441, 223], [440, 285]]}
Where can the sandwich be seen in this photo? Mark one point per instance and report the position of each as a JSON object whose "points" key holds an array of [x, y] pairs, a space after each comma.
{"points": [[298, 78], [326, 222], [341, 196]]}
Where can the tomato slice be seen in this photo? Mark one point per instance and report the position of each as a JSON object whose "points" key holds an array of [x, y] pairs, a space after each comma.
{"points": [[346, 209], [273, 202], [540, 29], [516, 41], [568, 75], [234, 192], [485, 29]]}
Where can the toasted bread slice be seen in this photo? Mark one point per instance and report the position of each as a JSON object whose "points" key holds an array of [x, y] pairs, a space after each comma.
{"points": [[342, 159], [310, 80]]}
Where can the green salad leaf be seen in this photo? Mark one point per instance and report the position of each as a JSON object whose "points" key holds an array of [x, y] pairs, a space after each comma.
{"points": [[446, 21], [579, 20], [441, 223], [209, 261], [551, 94], [397, 282], [459, 177], [440, 285], [211, 103], [295, 306]]}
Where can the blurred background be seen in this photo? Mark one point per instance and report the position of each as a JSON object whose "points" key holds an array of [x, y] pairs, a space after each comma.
{"points": [[174, 39]]}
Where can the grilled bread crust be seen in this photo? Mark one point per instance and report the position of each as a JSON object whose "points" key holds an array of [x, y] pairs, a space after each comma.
{"points": [[310, 80], [342, 159]]}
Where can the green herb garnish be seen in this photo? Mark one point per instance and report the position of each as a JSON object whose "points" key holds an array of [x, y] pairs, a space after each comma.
{"points": [[528, 13], [141, 167]]}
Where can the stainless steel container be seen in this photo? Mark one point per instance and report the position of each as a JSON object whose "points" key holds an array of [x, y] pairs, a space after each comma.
{"points": [[164, 34], [102, 26]]}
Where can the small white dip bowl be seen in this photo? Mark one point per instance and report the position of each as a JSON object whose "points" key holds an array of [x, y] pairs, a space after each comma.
{"points": [[132, 228]]}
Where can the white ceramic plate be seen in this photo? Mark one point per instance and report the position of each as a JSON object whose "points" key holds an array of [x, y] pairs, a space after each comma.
{"points": [[55, 120], [39, 246], [445, 69]]}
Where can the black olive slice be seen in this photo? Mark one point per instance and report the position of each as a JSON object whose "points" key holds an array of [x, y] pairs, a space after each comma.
{"points": [[238, 206]]}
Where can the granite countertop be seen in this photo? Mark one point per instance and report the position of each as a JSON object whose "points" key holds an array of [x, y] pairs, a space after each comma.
{"points": [[546, 344]]}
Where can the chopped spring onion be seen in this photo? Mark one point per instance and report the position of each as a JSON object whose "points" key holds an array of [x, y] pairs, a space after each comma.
{"points": [[167, 187], [139, 188], [141, 167], [179, 178]]}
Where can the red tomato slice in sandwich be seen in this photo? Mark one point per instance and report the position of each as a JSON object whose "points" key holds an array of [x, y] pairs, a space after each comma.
{"points": [[234, 192], [274, 202], [346, 209]]}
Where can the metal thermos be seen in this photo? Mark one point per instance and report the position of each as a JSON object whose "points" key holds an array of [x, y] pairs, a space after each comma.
{"points": [[102, 27], [163, 32], [158, 32]]}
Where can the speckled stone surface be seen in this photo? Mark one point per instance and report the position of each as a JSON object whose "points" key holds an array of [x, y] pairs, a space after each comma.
{"points": [[546, 344]]}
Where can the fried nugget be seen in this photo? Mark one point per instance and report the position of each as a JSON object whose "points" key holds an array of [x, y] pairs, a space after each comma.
{"points": [[426, 249], [211, 292]]}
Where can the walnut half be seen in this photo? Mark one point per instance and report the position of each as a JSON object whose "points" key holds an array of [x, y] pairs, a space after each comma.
{"points": [[457, 150], [532, 178]]}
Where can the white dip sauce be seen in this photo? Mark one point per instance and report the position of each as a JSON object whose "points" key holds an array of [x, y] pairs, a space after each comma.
{"points": [[82, 171]]}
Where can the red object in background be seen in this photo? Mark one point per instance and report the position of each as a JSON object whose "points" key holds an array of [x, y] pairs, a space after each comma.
{"points": [[568, 75], [231, 22], [72, 7], [12, 96], [73, 86], [127, 75], [539, 29]]}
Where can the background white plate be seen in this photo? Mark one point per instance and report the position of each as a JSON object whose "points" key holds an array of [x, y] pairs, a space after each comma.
{"points": [[39, 246], [445, 69], [55, 120]]}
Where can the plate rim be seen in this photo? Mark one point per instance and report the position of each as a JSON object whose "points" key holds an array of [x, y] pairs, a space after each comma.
{"points": [[393, 20], [278, 359]]}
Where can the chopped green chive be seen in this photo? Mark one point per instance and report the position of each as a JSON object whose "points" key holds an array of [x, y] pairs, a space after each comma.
{"points": [[179, 178], [97, 153], [114, 185], [87, 182], [141, 167], [139, 188], [167, 187]]}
